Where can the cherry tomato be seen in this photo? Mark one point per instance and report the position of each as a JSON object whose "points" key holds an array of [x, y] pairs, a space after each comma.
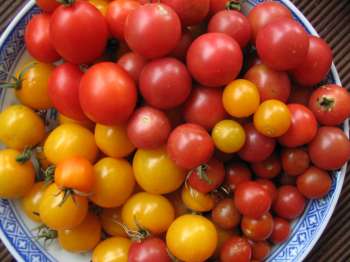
{"points": [[20, 127], [66, 120], [47, 5], [290, 203], [30, 202], [69, 41], [189, 145], [152, 212], [269, 187], [314, 183], [330, 149], [186, 232], [225, 214], [294, 161], [237, 173], [252, 200], [330, 104], [281, 230], [257, 229], [111, 219], [214, 59], [70, 140], [114, 249], [83, 237], [149, 250], [311, 72], [204, 107], [101, 5], [236, 249], [269, 168], [241, 98], [228, 136], [300, 95], [288, 40], [153, 30], [257, 146], [260, 250], [165, 83], [180, 51], [232, 23], [271, 84], [133, 63], [196, 200]]}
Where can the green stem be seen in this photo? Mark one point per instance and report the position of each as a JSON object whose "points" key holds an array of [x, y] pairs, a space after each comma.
{"points": [[25, 155], [49, 174], [233, 5], [66, 2], [326, 103], [17, 81]]}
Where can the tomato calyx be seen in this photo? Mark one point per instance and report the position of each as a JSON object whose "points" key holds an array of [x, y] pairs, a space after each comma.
{"points": [[326, 103], [17, 81], [201, 172], [135, 235], [222, 192], [66, 2], [233, 5], [25, 155], [49, 174], [46, 234]]}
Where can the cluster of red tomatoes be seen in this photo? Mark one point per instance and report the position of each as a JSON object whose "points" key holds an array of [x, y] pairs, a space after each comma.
{"points": [[175, 144]]}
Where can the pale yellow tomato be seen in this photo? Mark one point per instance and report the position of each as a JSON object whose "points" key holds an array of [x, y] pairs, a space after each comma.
{"points": [[114, 249], [196, 200], [32, 199]]}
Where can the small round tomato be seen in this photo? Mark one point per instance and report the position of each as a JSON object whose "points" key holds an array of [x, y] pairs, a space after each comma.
{"points": [[149, 250], [101, 5], [111, 219], [114, 249], [197, 201], [272, 118], [47, 5], [241, 98], [237, 173], [186, 232], [257, 229], [114, 182], [269, 168], [113, 140], [269, 186], [83, 237], [149, 169], [228, 136], [314, 183], [180, 51], [225, 214], [290, 203], [132, 62], [59, 213], [70, 140], [148, 211], [294, 161], [62, 119], [236, 249], [281, 230], [260, 250], [30, 202], [252, 200], [20, 127]]}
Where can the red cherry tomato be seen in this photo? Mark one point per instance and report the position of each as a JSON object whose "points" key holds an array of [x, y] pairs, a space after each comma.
{"points": [[236, 249], [237, 173], [216, 6], [133, 64], [180, 51], [300, 95], [257, 229], [107, 93], [214, 59], [47, 5], [149, 250], [268, 168], [165, 83], [37, 39], [261, 250], [281, 230], [269, 187], [190, 145], [295, 161], [225, 214]]}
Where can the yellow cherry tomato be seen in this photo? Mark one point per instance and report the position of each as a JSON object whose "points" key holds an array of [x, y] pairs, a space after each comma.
{"points": [[70, 140], [114, 249], [272, 118], [152, 212], [66, 120], [156, 173], [33, 88], [110, 220], [196, 200], [114, 182], [20, 127], [58, 214], [192, 238], [16, 178], [83, 237], [101, 5], [31, 201], [241, 98], [113, 140], [228, 136]]}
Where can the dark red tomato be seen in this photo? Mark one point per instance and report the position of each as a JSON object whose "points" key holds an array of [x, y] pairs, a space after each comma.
{"points": [[288, 40], [37, 39], [295, 161], [148, 128], [133, 63], [257, 229], [107, 94], [271, 84], [165, 83], [257, 147], [225, 214], [149, 250], [69, 34], [214, 59], [204, 107], [236, 249], [190, 12], [330, 149], [153, 30], [237, 173], [316, 65], [222, 156], [216, 6], [116, 15], [232, 23], [252, 200], [269, 187], [330, 104], [47, 5], [300, 95], [180, 51], [314, 183], [285, 179], [302, 129], [207, 177], [281, 230], [264, 13], [190, 145], [261, 250], [290, 203], [268, 168], [63, 90]]}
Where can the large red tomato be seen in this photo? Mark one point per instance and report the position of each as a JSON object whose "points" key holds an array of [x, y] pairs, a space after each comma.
{"points": [[107, 94], [47, 5]]}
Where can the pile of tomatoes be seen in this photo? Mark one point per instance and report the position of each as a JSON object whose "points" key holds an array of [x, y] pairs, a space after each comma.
{"points": [[186, 130]]}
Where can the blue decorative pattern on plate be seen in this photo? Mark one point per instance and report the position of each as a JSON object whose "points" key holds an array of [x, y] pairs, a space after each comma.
{"points": [[15, 228]]}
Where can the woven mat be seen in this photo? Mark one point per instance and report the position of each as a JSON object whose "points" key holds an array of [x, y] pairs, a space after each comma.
{"points": [[331, 18]]}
